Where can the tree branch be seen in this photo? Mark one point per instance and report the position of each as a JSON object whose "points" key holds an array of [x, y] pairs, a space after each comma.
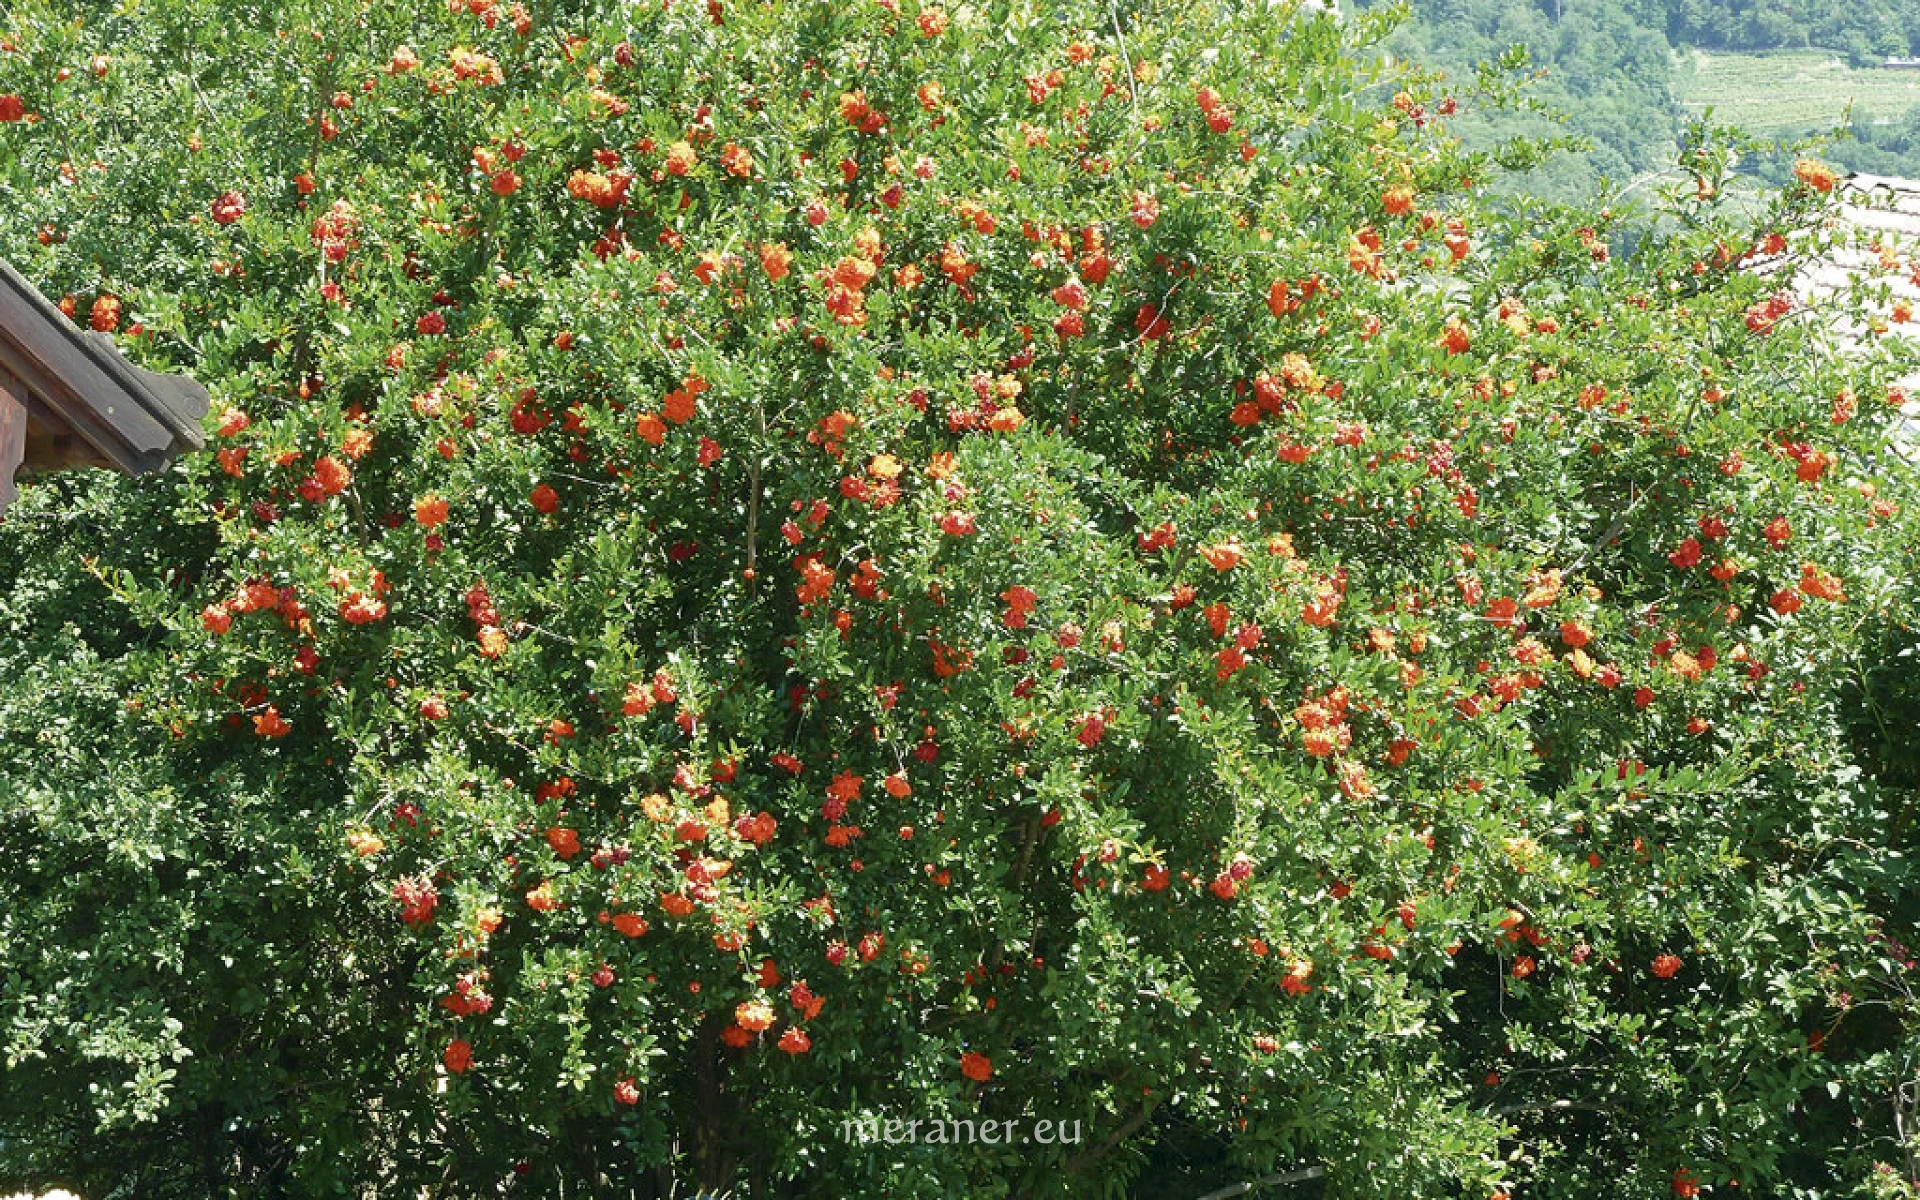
{"points": [[753, 498], [1551, 1106], [1280, 1180], [1087, 1158]]}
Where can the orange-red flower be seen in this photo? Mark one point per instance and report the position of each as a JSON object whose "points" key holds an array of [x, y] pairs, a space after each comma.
{"points": [[1821, 584], [602, 191], [753, 1015], [736, 160], [1224, 556], [228, 207], [360, 608], [458, 1056], [472, 65], [776, 260], [542, 899], [1323, 608]]}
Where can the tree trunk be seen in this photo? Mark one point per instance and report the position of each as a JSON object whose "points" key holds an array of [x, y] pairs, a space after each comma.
{"points": [[713, 1151]]}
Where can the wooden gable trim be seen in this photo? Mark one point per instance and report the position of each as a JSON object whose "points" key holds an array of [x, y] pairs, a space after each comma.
{"points": [[72, 400]]}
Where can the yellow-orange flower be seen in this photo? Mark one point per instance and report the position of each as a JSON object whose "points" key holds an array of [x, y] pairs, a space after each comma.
{"points": [[1815, 174]]}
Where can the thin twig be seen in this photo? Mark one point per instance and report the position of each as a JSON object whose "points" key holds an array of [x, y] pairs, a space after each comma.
{"points": [[753, 497], [1613, 531], [1280, 1180], [1113, 9], [1552, 1106]]}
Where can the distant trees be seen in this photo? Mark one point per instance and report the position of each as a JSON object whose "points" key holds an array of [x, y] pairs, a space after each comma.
{"points": [[1608, 68], [1884, 27], [1883, 149], [1887, 26]]}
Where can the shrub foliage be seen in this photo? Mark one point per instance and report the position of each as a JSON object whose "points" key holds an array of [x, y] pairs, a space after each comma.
{"points": [[760, 565]]}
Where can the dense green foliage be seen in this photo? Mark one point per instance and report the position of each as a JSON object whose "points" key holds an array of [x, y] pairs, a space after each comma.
{"points": [[766, 565]]}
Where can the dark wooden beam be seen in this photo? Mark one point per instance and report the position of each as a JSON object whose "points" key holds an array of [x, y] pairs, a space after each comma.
{"points": [[13, 437], [133, 419], [54, 446]]}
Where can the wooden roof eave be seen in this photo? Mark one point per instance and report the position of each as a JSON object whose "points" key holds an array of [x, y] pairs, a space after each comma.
{"points": [[137, 420]]}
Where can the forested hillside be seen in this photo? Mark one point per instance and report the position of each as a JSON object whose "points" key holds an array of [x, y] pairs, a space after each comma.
{"points": [[1864, 27], [1628, 74], [1877, 27]]}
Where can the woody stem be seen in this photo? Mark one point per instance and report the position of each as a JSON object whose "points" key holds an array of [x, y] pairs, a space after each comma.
{"points": [[753, 498]]}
